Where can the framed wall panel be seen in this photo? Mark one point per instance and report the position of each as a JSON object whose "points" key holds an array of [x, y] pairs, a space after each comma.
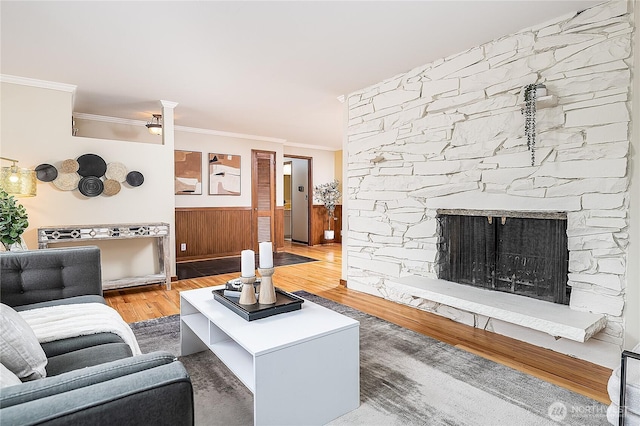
{"points": [[224, 174], [188, 172]]}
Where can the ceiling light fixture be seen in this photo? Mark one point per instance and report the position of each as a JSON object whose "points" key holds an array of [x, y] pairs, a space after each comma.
{"points": [[155, 125], [17, 181]]}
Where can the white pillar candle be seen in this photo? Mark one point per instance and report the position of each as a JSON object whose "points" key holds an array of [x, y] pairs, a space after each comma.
{"points": [[266, 255], [248, 263]]}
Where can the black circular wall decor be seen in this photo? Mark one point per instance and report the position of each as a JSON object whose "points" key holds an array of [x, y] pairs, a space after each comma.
{"points": [[91, 165], [90, 175], [135, 178], [46, 172], [90, 186]]}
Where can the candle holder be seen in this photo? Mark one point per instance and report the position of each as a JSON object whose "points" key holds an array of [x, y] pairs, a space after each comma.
{"points": [[267, 290], [248, 295]]}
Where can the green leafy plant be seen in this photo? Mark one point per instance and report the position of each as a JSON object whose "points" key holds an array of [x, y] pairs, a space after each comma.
{"points": [[329, 195], [13, 220]]}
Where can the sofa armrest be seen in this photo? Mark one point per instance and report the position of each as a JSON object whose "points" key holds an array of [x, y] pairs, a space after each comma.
{"points": [[153, 390], [35, 276], [77, 379]]}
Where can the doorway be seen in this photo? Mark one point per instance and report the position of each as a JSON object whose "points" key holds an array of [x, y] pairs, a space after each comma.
{"points": [[263, 196], [298, 205], [286, 173]]}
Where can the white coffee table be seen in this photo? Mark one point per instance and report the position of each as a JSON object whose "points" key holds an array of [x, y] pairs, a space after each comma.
{"points": [[303, 367]]}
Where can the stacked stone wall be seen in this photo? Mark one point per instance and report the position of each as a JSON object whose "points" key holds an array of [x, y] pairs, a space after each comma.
{"points": [[450, 134]]}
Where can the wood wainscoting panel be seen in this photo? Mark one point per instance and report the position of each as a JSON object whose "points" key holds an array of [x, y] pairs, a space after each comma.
{"points": [[279, 228], [319, 223], [212, 232]]}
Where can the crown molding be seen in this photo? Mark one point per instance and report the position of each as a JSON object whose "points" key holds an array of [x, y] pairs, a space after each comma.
{"points": [[117, 120], [5, 78], [24, 81], [229, 134], [107, 119], [168, 104], [307, 146]]}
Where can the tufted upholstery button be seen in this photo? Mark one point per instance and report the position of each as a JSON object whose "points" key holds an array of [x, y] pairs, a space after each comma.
{"points": [[21, 291]]}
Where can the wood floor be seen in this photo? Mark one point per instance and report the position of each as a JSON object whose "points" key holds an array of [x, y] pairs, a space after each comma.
{"points": [[323, 279]]}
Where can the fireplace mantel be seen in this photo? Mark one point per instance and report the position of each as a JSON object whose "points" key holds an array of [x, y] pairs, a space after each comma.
{"points": [[551, 318], [505, 213]]}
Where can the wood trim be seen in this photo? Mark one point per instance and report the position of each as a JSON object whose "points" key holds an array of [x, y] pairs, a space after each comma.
{"points": [[279, 228], [193, 209], [211, 232], [257, 155], [319, 221]]}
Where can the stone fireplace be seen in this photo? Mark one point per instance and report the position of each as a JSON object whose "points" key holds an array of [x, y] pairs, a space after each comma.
{"points": [[449, 137], [521, 253]]}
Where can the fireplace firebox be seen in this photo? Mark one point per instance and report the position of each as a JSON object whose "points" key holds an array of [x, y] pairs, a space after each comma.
{"points": [[524, 254]]}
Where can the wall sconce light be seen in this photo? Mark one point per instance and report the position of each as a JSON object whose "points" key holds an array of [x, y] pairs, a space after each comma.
{"points": [[17, 181], [155, 125]]}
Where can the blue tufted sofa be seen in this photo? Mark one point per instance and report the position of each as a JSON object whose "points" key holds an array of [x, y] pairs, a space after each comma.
{"points": [[90, 379]]}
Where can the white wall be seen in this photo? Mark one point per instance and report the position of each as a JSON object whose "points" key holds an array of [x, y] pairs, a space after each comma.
{"points": [[50, 141], [207, 144], [198, 140], [92, 128], [323, 161]]}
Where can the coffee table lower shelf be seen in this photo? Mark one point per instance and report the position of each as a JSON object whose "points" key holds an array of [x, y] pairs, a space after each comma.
{"points": [[238, 360], [302, 367]]}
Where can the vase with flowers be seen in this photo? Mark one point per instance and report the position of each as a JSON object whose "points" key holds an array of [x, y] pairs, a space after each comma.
{"points": [[329, 195]]}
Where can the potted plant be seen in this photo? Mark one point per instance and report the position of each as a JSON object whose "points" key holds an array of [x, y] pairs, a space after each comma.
{"points": [[329, 195], [13, 221]]}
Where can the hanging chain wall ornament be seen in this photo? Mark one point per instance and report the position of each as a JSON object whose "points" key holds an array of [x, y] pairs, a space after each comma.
{"points": [[529, 112]]}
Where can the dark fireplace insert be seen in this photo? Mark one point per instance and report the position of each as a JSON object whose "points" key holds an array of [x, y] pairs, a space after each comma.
{"points": [[524, 254]]}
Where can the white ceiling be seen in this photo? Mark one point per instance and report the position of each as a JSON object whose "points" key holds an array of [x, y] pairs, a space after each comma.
{"points": [[271, 69]]}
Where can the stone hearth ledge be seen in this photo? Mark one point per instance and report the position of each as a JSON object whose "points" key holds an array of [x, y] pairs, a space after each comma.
{"points": [[552, 318]]}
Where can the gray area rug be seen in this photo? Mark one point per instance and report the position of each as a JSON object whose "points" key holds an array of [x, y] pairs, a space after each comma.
{"points": [[406, 378]]}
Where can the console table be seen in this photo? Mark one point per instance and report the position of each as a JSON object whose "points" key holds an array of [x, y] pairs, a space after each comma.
{"points": [[88, 233], [303, 367]]}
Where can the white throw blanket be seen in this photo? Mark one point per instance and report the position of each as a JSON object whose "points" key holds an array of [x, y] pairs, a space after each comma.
{"points": [[64, 321]]}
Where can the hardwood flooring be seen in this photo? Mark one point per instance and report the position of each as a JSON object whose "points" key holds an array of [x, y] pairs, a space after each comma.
{"points": [[323, 279]]}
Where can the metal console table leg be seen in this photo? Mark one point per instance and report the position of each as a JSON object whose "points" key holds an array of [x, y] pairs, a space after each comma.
{"points": [[623, 383]]}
